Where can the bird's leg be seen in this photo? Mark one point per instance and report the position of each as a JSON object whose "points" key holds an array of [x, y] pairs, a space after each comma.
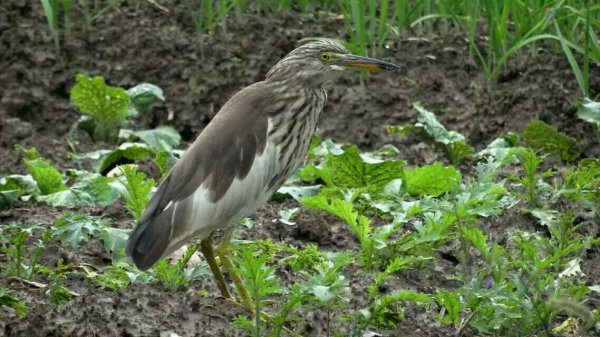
{"points": [[223, 252], [206, 247]]}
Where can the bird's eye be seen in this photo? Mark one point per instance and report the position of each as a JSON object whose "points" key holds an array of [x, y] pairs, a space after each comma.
{"points": [[324, 57]]}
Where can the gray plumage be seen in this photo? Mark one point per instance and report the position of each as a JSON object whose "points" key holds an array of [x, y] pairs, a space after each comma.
{"points": [[253, 144]]}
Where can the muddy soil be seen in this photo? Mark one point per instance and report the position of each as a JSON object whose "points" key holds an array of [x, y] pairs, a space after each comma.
{"points": [[137, 42]]}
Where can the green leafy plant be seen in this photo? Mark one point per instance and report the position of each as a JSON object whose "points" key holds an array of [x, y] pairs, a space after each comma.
{"points": [[350, 170], [452, 142], [542, 136], [14, 243], [530, 162], [432, 180], [73, 228], [106, 105], [259, 279], [57, 293], [107, 108], [7, 299], [15, 186], [175, 276], [158, 143], [48, 178], [138, 188]]}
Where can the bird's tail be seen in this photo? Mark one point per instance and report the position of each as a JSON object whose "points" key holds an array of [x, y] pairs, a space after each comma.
{"points": [[151, 238]]}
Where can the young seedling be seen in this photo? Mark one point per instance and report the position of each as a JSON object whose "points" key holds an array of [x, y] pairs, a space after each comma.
{"points": [[7, 299], [57, 293]]}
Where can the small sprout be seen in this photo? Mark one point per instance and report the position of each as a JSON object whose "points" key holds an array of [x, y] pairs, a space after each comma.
{"points": [[7, 299]]}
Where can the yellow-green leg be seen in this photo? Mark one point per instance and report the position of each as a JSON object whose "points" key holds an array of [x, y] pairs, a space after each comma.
{"points": [[206, 247], [223, 252]]}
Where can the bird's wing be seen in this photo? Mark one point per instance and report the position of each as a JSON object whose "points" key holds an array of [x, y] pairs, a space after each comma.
{"points": [[224, 153]]}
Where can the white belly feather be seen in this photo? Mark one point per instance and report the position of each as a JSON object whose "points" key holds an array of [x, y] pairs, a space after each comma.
{"points": [[242, 198]]}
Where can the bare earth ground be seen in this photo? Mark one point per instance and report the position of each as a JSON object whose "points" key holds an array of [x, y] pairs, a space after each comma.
{"points": [[139, 43]]}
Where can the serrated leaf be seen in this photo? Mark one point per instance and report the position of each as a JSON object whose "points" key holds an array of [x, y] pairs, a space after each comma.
{"points": [[138, 190], [433, 180], [453, 142], [75, 228], [105, 104], [542, 136], [429, 123], [338, 207], [451, 302], [142, 96], [113, 278], [163, 138]]}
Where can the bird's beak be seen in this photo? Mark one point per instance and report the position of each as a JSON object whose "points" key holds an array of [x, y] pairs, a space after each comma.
{"points": [[356, 62]]}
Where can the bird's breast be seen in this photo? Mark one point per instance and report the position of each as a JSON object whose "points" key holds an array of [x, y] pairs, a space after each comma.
{"points": [[291, 133]]}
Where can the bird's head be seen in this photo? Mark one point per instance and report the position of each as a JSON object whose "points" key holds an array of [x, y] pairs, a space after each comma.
{"points": [[319, 60]]}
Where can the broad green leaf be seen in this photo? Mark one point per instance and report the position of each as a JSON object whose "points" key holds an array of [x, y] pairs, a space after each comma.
{"points": [[350, 171], [142, 96], [23, 184], [115, 240], [407, 295], [542, 136], [47, 177], [322, 293], [126, 152], [161, 138], [75, 228], [105, 104], [7, 198], [589, 111], [299, 192], [164, 160], [14, 186], [433, 180], [90, 189]]}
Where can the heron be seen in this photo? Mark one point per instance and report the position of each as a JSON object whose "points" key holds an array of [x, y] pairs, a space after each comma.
{"points": [[247, 151]]}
